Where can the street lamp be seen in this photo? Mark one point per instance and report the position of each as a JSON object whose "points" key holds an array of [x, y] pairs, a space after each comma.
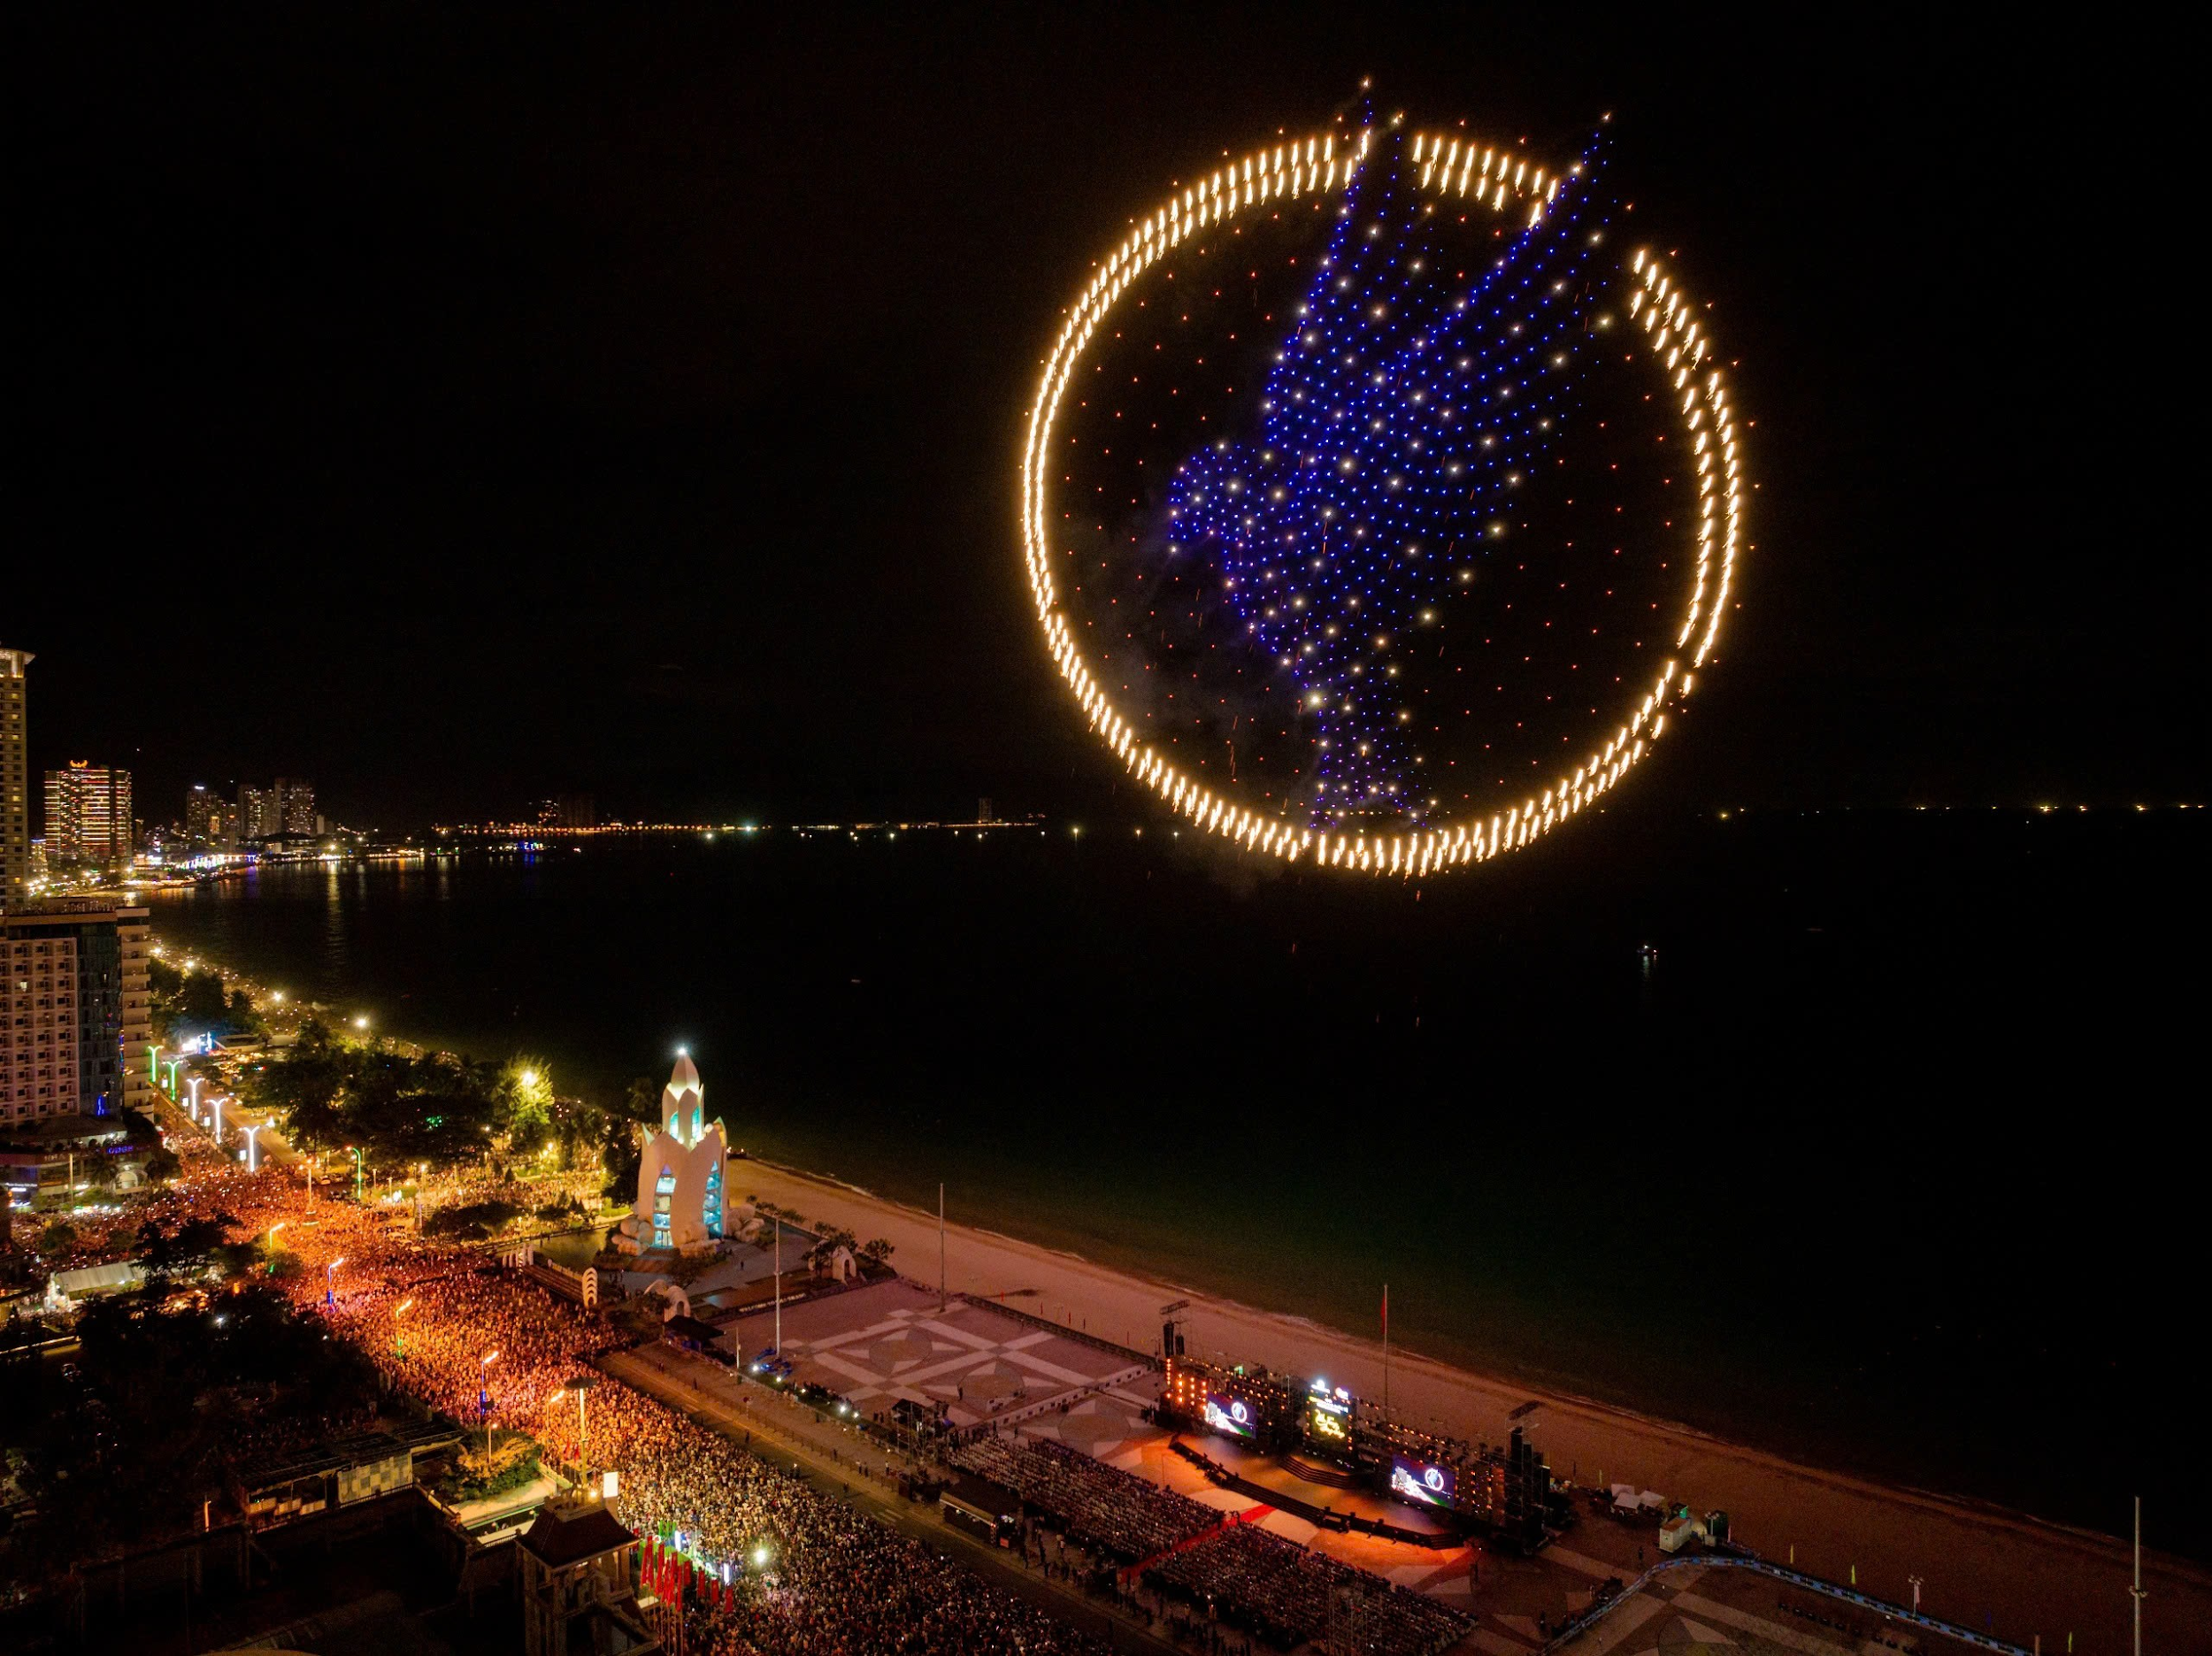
{"points": [[215, 1103], [330, 1281], [484, 1400], [361, 1022], [274, 1229], [253, 1146], [580, 1385], [399, 1339], [196, 1096]]}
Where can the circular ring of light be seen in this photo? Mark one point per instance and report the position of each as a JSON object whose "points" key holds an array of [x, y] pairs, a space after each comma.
{"points": [[1493, 178]]}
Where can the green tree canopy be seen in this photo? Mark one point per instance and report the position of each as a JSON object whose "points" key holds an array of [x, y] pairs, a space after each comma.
{"points": [[127, 1453]]}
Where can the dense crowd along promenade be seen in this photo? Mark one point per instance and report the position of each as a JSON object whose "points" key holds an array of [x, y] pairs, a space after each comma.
{"points": [[447, 1329], [779, 1565]]}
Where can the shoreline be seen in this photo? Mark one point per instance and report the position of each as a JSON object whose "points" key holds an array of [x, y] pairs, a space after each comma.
{"points": [[1665, 1452], [1534, 1380], [2025, 1576]]}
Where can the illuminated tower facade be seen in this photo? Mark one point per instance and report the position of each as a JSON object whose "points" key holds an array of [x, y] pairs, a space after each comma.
{"points": [[15, 782], [681, 1196], [88, 817]]}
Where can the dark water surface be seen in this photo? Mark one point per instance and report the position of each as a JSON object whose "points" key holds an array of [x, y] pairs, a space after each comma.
{"points": [[1889, 1161]]}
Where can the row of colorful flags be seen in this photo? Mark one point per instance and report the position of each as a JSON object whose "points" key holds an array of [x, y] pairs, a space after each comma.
{"points": [[670, 1575]]}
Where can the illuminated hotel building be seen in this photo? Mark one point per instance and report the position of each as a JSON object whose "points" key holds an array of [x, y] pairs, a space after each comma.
{"points": [[74, 1017], [15, 782], [89, 816]]}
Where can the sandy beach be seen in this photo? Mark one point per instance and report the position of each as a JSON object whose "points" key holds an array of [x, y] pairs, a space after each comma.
{"points": [[1983, 1567]]}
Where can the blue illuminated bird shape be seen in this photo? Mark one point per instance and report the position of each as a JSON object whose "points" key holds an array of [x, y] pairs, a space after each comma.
{"points": [[1409, 403]]}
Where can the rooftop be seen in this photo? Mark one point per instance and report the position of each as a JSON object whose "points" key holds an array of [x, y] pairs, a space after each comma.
{"points": [[566, 1534]]}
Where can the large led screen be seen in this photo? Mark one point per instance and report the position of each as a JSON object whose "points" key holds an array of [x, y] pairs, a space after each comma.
{"points": [[1418, 1482], [1230, 1414], [1329, 1421]]}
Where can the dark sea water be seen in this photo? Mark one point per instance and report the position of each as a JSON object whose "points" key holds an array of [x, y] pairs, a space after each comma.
{"points": [[1891, 1160]]}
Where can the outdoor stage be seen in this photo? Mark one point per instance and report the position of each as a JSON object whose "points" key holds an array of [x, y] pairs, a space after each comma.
{"points": [[994, 1367]]}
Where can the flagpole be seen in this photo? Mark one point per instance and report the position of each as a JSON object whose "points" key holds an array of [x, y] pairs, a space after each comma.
{"points": [[1386, 1344]]}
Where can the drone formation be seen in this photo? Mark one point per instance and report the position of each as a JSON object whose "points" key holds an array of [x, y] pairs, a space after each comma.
{"points": [[1378, 504]]}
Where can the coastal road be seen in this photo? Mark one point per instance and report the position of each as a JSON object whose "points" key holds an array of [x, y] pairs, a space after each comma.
{"points": [[1984, 1568]]}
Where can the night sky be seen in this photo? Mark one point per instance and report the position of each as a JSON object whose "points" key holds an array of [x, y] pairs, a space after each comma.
{"points": [[455, 410]]}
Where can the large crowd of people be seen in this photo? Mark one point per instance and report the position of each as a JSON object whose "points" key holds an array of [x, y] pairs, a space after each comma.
{"points": [[1100, 1505], [810, 1575]]}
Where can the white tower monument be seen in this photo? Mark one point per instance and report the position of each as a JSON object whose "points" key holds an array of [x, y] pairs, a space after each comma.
{"points": [[681, 1172]]}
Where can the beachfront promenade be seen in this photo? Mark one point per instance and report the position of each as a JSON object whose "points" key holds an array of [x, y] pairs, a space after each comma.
{"points": [[1982, 1569]]}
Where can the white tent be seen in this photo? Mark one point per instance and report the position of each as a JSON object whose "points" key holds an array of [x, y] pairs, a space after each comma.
{"points": [[65, 1288]]}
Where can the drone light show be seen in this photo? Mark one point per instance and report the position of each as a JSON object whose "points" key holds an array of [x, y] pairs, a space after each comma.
{"points": [[1381, 498]]}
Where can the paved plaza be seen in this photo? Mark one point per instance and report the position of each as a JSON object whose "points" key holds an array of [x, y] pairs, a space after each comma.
{"points": [[889, 1341], [1712, 1609]]}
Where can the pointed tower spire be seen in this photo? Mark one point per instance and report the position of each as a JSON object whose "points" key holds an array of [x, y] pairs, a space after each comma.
{"points": [[684, 1096]]}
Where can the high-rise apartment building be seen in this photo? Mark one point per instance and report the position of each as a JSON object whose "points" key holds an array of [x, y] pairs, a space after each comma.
{"points": [[294, 804], [287, 806], [15, 779], [75, 1017], [88, 817], [210, 821]]}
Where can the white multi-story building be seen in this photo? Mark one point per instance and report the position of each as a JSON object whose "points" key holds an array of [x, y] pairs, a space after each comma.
{"points": [[75, 1017]]}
